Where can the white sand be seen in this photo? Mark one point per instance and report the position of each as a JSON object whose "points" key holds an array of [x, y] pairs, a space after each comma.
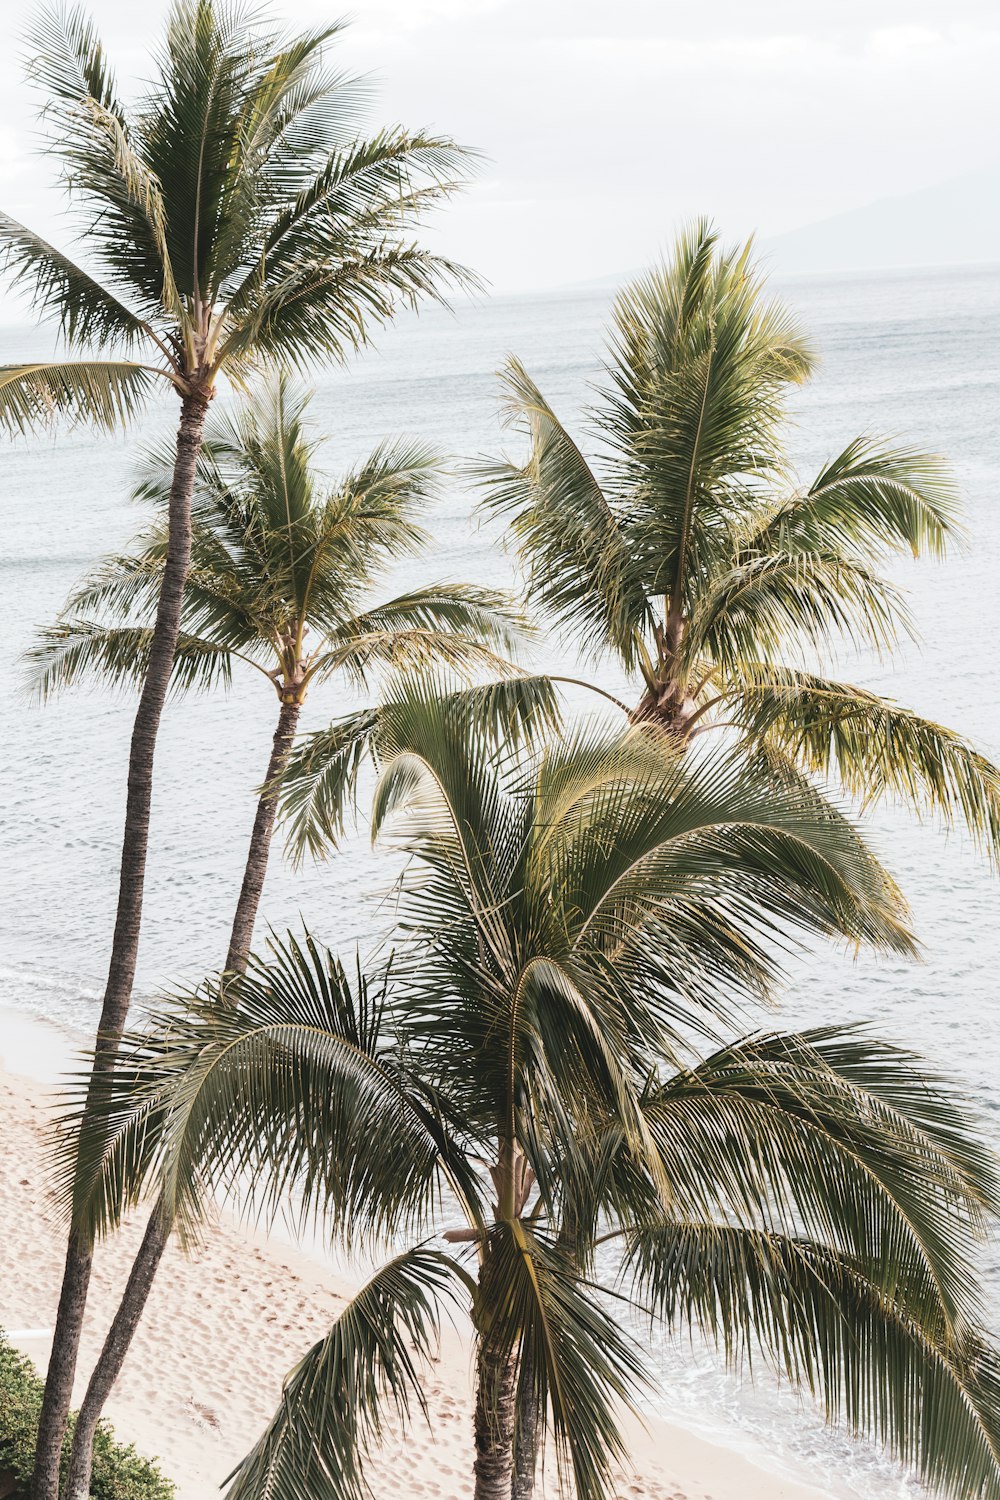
{"points": [[223, 1329]]}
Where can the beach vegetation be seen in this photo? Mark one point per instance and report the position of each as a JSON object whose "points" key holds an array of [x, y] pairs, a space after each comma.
{"points": [[120, 1473], [283, 584], [549, 1081], [670, 540], [672, 537], [233, 216]]}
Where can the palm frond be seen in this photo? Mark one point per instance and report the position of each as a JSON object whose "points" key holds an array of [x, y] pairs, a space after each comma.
{"points": [[875, 748], [320, 782], [570, 541], [414, 649], [830, 1325], [319, 785], [837, 1136], [622, 817], [764, 604], [482, 616], [325, 308], [107, 392], [78, 649], [870, 499], [86, 312], [279, 1090], [335, 1402], [699, 370]]}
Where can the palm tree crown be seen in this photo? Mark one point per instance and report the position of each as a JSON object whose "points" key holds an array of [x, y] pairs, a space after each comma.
{"points": [[684, 549], [284, 566], [232, 215], [544, 1058], [284, 563]]}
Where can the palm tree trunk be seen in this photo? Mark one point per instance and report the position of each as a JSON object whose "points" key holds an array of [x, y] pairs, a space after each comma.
{"points": [[260, 842], [125, 946], [116, 1346], [154, 1243], [496, 1400], [525, 1442]]}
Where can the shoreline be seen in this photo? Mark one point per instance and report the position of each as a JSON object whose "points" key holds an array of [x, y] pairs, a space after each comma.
{"points": [[224, 1326]]}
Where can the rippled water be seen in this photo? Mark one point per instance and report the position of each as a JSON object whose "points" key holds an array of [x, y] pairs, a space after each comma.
{"points": [[913, 354]]}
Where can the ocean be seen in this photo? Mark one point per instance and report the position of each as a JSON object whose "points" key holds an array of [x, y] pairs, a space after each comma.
{"points": [[915, 355]]}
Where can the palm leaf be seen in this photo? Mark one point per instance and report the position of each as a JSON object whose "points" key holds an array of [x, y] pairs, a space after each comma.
{"points": [[86, 312], [106, 392], [763, 604], [836, 1136], [320, 782], [81, 649], [825, 1323], [577, 559], [870, 499], [332, 1413], [874, 747], [280, 1089]]}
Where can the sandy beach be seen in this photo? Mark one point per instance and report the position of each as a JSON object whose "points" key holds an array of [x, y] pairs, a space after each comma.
{"points": [[224, 1327]]}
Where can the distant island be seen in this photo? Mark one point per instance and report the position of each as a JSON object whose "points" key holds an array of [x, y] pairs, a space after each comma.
{"points": [[953, 223], [956, 222]]}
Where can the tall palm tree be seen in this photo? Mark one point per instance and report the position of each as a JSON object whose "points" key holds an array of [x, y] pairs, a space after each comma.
{"points": [[231, 217], [279, 554], [544, 1049], [283, 572], [673, 539], [683, 549]]}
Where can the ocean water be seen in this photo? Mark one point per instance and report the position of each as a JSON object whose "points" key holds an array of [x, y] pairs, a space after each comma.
{"points": [[915, 355]]}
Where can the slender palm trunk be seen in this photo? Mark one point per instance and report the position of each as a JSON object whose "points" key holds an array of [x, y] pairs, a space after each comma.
{"points": [[525, 1443], [260, 841], [116, 1346], [125, 946], [497, 1366], [496, 1400], [154, 1243]]}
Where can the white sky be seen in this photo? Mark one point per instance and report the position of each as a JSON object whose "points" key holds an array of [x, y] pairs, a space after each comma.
{"points": [[607, 122]]}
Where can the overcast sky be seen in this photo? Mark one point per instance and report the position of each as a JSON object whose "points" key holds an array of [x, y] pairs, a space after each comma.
{"points": [[606, 124]]}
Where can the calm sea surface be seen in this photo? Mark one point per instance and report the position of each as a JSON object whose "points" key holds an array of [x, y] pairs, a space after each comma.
{"points": [[911, 354]]}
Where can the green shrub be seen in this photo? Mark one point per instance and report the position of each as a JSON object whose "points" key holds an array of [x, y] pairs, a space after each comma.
{"points": [[119, 1471]]}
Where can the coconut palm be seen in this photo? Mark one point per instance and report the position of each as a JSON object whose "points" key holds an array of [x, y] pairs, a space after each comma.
{"points": [[543, 1051], [684, 551], [279, 555], [233, 216], [284, 565]]}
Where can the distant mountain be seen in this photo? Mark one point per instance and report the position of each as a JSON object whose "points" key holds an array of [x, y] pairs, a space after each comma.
{"points": [[953, 223], [949, 224]]}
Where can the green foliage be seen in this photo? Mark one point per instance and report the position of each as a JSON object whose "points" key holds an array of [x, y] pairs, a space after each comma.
{"points": [[553, 1053], [321, 781], [284, 567], [119, 1472], [232, 215], [686, 547], [331, 1416]]}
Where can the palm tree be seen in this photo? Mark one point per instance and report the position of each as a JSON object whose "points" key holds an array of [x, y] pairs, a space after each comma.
{"points": [[232, 217], [278, 554], [545, 1050], [685, 552]]}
